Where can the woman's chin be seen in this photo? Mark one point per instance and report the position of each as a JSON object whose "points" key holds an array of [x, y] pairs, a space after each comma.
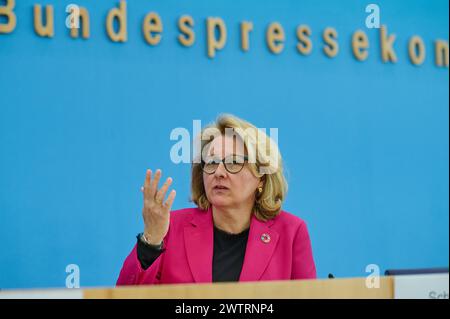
{"points": [[219, 201]]}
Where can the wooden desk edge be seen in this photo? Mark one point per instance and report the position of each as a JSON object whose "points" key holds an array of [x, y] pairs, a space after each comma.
{"points": [[296, 289]]}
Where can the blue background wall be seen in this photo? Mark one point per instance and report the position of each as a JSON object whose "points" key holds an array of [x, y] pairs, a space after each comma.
{"points": [[365, 144]]}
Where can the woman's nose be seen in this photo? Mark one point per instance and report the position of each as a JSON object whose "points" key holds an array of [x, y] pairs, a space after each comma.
{"points": [[220, 171]]}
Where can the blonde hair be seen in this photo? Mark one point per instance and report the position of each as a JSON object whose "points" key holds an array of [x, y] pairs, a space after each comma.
{"points": [[267, 166]]}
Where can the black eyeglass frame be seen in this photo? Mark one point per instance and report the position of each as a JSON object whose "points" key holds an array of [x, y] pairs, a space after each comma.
{"points": [[203, 163]]}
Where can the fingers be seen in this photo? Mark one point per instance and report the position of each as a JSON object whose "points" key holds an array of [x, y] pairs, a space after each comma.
{"points": [[150, 188], [148, 177], [162, 192], [170, 199], [154, 183], [146, 188]]}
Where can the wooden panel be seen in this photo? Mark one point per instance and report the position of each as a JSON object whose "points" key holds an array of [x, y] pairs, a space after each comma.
{"points": [[324, 288]]}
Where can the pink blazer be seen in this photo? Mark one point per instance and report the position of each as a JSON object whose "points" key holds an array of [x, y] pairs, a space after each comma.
{"points": [[279, 249]]}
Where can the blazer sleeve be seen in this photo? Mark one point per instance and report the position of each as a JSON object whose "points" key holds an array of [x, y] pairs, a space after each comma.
{"points": [[132, 272], [303, 266]]}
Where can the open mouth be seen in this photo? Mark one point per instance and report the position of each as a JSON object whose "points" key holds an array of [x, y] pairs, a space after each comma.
{"points": [[220, 187]]}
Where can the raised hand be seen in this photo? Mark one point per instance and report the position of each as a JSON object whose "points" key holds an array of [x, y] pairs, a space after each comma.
{"points": [[156, 211]]}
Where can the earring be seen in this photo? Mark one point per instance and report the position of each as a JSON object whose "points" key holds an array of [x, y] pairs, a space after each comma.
{"points": [[260, 189]]}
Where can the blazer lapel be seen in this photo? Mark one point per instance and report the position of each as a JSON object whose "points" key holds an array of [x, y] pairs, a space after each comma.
{"points": [[199, 241], [260, 247]]}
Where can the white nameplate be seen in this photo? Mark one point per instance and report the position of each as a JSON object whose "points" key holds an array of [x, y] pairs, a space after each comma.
{"points": [[433, 286]]}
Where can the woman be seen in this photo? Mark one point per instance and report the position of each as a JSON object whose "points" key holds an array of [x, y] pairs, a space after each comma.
{"points": [[238, 231]]}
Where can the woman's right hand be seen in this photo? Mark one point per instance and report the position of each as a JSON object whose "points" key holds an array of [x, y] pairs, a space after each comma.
{"points": [[156, 211]]}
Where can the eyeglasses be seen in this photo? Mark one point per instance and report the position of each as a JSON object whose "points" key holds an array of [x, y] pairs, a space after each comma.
{"points": [[233, 164]]}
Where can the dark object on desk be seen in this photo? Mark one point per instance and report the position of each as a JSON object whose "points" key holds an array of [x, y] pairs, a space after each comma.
{"points": [[419, 271]]}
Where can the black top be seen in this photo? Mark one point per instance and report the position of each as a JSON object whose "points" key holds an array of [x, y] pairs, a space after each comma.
{"points": [[228, 255]]}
